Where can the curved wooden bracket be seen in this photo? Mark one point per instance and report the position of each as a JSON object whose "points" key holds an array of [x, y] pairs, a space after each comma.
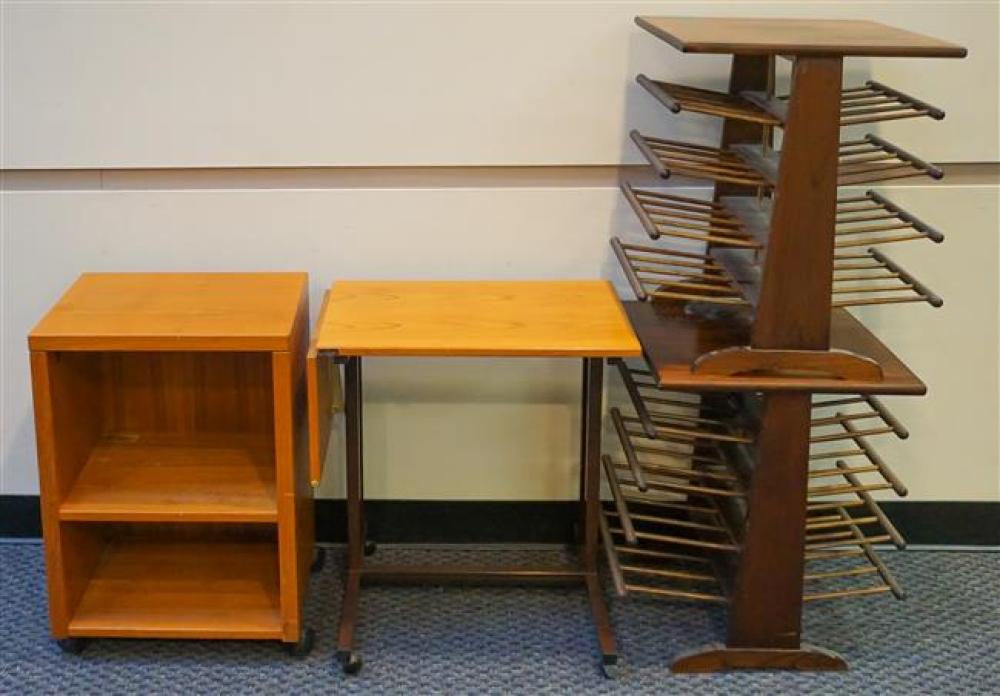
{"points": [[719, 658], [835, 363]]}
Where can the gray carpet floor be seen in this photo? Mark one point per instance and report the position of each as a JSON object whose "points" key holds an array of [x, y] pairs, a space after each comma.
{"points": [[945, 638]]}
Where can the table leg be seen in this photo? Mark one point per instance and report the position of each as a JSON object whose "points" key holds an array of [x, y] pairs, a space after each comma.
{"points": [[355, 518], [581, 523], [590, 483]]}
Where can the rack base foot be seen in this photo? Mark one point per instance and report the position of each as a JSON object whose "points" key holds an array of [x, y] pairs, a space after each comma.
{"points": [[719, 658]]}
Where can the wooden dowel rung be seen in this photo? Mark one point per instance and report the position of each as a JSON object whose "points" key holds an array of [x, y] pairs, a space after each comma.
{"points": [[686, 541], [834, 574], [665, 555], [619, 500], [822, 491], [834, 555], [700, 596], [662, 485], [872, 228], [833, 437], [834, 505], [836, 454], [814, 597], [671, 522], [610, 553], [869, 241], [841, 417], [826, 473], [833, 524], [699, 298], [678, 574], [879, 300], [879, 539]]}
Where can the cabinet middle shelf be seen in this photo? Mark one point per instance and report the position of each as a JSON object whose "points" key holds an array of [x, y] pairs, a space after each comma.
{"points": [[162, 477]]}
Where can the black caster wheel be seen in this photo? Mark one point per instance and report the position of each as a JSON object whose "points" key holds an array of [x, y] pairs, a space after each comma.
{"points": [[319, 560], [610, 667], [351, 662], [304, 645], [72, 646], [370, 547]]}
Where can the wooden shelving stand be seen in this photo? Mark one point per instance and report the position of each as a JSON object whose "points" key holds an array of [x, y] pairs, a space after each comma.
{"points": [[170, 415], [748, 466]]}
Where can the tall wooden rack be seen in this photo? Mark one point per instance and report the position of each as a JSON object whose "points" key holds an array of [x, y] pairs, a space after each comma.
{"points": [[748, 465]]}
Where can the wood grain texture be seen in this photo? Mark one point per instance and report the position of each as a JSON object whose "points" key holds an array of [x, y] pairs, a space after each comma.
{"points": [[672, 341], [176, 478], [185, 392], [476, 318], [64, 437], [719, 658], [182, 589], [151, 422], [323, 396], [843, 37], [173, 311], [794, 305], [766, 604]]}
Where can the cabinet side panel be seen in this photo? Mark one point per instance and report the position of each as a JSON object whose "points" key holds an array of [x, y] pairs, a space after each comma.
{"points": [[67, 425]]}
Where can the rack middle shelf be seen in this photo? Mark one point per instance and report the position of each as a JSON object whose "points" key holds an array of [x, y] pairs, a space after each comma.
{"points": [[672, 342]]}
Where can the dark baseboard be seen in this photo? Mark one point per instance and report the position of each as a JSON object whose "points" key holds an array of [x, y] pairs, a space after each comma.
{"points": [[941, 523]]}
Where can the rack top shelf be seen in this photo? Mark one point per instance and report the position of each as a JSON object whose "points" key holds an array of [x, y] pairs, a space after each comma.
{"points": [[844, 37], [672, 341], [175, 312], [476, 318]]}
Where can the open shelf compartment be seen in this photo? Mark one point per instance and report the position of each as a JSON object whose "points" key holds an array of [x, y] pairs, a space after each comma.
{"points": [[173, 581], [163, 436]]}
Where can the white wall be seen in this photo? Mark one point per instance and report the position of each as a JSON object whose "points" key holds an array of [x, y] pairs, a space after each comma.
{"points": [[169, 84], [480, 428], [162, 85]]}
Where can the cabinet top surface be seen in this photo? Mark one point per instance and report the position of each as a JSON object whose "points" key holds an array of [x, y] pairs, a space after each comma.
{"points": [[174, 311], [845, 37], [476, 318]]}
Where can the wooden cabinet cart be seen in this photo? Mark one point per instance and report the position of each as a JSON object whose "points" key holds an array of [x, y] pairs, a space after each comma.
{"points": [[169, 412]]}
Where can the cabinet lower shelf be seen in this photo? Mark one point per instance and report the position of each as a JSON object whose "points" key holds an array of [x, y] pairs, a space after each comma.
{"points": [[197, 477], [182, 589]]}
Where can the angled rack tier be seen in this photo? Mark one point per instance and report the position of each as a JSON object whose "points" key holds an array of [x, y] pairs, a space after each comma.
{"points": [[747, 472]]}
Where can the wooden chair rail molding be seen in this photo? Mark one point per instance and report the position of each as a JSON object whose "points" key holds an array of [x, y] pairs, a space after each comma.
{"points": [[737, 485]]}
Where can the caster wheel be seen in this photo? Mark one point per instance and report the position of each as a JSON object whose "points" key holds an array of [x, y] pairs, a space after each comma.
{"points": [[351, 662], [319, 560], [370, 547], [72, 646], [610, 668], [304, 646]]}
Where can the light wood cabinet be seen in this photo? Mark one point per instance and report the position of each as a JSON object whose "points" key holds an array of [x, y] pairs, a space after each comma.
{"points": [[170, 421]]}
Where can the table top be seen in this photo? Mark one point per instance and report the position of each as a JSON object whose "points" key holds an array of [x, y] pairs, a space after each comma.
{"points": [[175, 311], [844, 37], [476, 318]]}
